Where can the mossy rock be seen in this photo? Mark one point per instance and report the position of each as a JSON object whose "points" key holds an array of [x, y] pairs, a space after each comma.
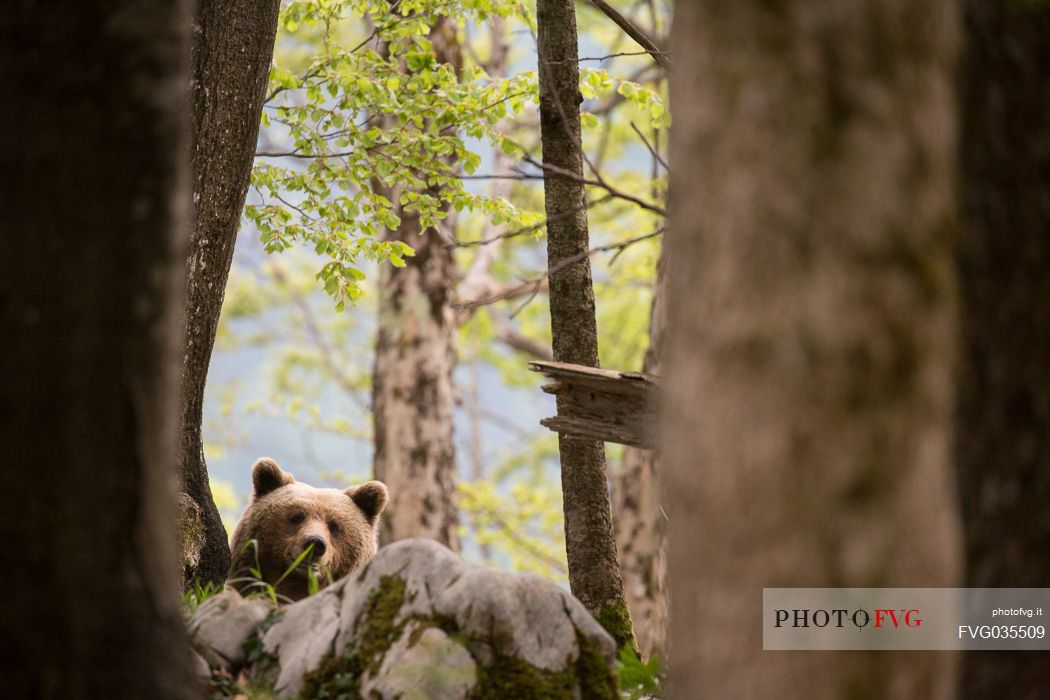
{"points": [[419, 622]]}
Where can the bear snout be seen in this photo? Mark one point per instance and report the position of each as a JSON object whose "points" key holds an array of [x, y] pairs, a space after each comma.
{"points": [[320, 547]]}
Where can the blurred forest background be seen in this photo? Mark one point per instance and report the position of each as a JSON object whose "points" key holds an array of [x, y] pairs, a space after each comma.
{"points": [[292, 371], [854, 287]]}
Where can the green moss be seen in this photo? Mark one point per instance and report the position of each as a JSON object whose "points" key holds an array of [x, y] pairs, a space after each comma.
{"points": [[615, 618], [378, 631], [596, 681], [339, 675], [223, 686], [510, 677], [262, 664], [191, 532], [445, 623]]}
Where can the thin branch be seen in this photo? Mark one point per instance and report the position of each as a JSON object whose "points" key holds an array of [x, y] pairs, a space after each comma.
{"points": [[278, 90], [318, 69], [313, 329], [525, 543], [521, 307], [648, 145], [507, 425], [534, 227], [288, 204], [514, 534], [497, 176], [618, 54], [533, 286], [604, 139], [506, 292], [634, 32], [616, 99], [296, 154], [367, 39], [599, 182], [509, 336], [477, 280]]}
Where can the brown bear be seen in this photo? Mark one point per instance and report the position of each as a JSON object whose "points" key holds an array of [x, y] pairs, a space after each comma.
{"points": [[284, 517]]}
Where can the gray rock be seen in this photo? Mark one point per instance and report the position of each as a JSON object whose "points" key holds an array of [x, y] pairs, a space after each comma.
{"points": [[201, 669], [221, 625], [423, 664], [419, 622]]}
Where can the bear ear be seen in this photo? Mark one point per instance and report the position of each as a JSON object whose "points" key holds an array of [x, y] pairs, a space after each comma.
{"points": [[267, 476], [371, 498]]}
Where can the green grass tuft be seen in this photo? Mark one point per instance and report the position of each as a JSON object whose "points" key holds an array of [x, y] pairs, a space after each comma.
{"points": [[197, 594], [638, 678]]}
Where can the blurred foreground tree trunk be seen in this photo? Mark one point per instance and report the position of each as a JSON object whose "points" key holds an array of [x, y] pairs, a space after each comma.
{"points": [[232, 48], [594, 572], [413, 396], [812, 326], [1003, 418], [640, 521], [97, 211]]}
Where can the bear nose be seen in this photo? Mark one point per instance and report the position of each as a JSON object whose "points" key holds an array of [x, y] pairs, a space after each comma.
{"points": [[319, 546]]}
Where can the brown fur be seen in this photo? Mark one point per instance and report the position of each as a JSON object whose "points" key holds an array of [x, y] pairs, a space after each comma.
{"points": [[283, 513]]}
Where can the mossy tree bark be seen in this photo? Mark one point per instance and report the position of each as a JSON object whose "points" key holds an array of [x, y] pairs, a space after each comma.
{"points": [[413, 395], [1003, 417], [640, 521], [594, 572], [807, 428], [97, 207], [232, 49]]}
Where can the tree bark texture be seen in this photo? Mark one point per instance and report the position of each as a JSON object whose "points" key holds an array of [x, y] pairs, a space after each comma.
{"points": [[640, 520], [1003, 416], [413, 395], [601, 404], [97, 207], [811, 332], [594, 572], [232, 49]]}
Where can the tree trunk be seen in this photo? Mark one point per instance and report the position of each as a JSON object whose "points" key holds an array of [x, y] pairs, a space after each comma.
{"points": [[594, 573], [413, 396], [640, 519], [96, 215], [232, 48], [811, 332], [1003, 417]]}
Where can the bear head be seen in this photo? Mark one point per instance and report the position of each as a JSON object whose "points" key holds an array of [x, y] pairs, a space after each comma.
{"points": [[285, 518]]}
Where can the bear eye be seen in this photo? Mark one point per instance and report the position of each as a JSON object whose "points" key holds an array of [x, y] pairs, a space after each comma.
{"points": [[335, 528], [297, 518]]}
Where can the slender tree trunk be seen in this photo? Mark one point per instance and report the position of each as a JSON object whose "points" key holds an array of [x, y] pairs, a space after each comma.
{"points": [[811, 332], [413, 395], [641, 522], [594, 573], [96, 215], [232, 48], [1003, 417]]}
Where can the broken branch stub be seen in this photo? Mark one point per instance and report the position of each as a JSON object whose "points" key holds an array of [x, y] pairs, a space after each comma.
{"points": [[601, 404]]}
